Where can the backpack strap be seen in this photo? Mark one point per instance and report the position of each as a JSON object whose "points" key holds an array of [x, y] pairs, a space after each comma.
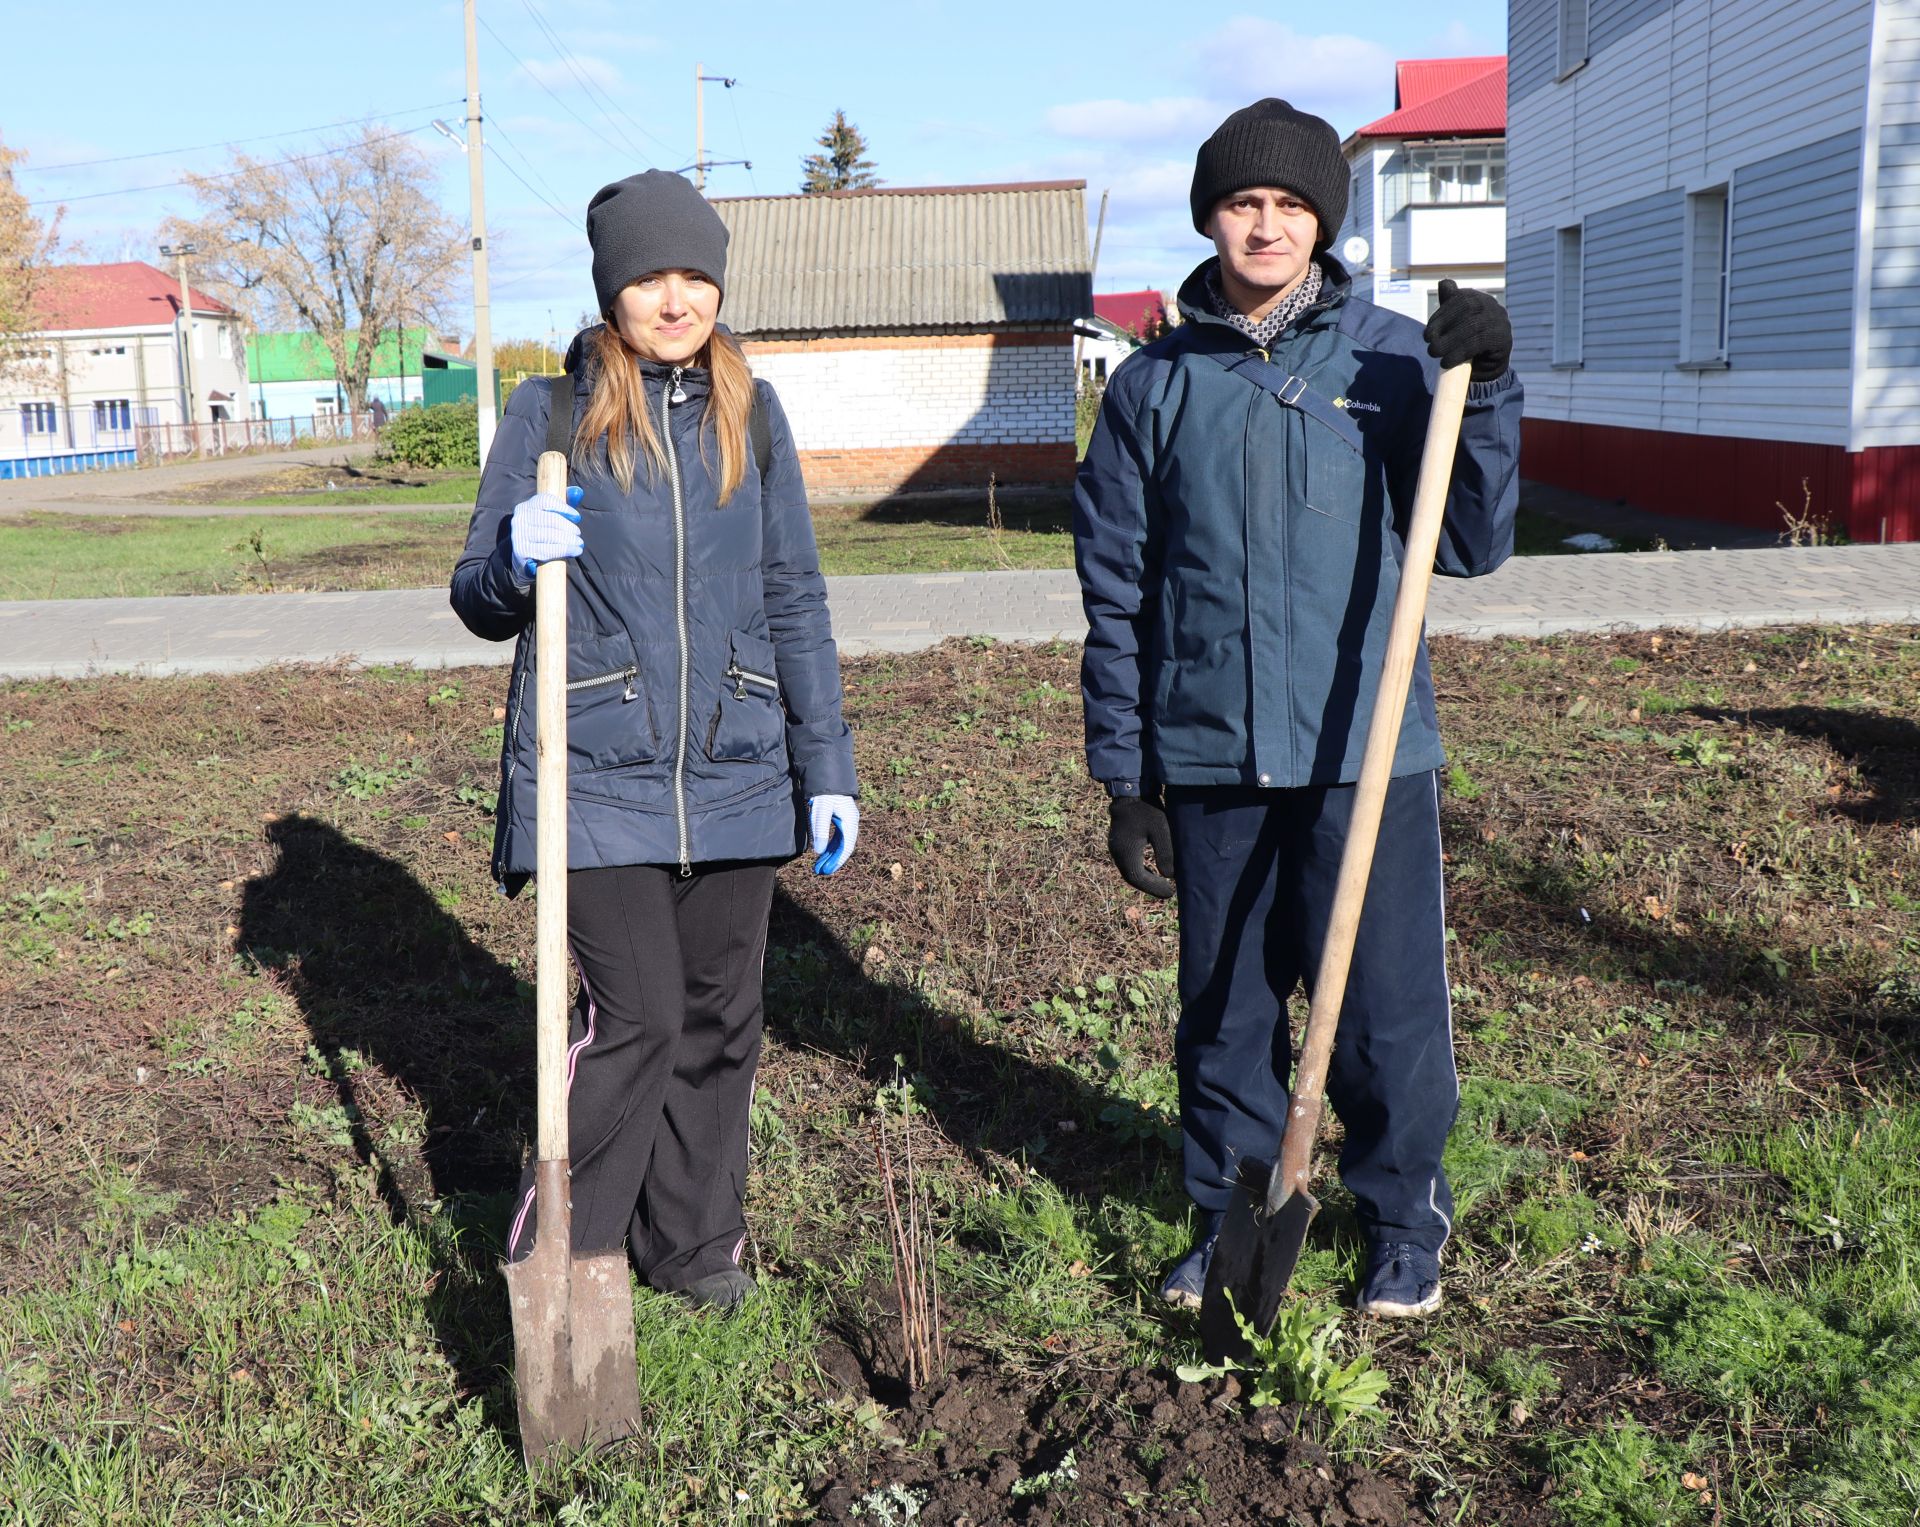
{"points": [[1292, 391], [560, 415], [760, 431]]}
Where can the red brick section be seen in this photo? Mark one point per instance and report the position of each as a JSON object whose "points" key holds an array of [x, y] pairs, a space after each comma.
{"points": [[907, 468], [1871, 495]]}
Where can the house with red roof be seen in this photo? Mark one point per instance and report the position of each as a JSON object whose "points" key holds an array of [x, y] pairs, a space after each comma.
{"points": [[115, 349], [1428, 195], [1121, 323]]}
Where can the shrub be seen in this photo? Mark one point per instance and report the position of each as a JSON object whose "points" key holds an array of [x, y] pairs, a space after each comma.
{"points": [[446, 435]]}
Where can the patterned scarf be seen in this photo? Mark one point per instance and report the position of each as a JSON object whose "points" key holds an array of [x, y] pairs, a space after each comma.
{"points": [[1262, 331]]}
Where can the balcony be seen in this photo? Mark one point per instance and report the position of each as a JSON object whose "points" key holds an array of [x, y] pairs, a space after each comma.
{"points": [[1456, 235]]}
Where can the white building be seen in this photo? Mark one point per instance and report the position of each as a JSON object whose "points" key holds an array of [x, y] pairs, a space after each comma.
{"points": [[107, 358], [1429, 185], [919, 337], [1713, 246]]}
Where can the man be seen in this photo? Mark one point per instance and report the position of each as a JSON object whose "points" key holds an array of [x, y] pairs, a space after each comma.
{"points": [[1238, 527]]}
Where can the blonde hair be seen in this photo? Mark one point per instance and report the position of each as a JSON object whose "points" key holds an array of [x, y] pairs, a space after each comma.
{"points": [[617, 409]]}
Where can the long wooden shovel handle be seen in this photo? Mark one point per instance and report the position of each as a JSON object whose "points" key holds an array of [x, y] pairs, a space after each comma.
{"points": [[1295, 1170], [550, 833]]}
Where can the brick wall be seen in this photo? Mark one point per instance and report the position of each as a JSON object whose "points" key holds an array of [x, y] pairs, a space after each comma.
{"points": [[897, 412]]}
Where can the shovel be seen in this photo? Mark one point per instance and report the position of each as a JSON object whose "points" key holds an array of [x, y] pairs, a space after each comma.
{"points": [[1266, 1224], [573, 1341]]}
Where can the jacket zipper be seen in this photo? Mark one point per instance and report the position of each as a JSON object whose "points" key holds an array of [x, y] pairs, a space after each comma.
{"points": [[629, 673], [511, 747], [743, 678], [667, 395]]}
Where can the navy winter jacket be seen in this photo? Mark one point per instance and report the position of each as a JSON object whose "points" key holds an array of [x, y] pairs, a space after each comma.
{"points": [[1239, 557], [703, 702]]}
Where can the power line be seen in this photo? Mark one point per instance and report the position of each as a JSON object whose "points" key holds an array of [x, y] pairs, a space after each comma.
{"points": [[194, 148], [741, 133], [565, 259], [528, 70], [168, 185], [567, 58], [507, 165], [526, 159]]}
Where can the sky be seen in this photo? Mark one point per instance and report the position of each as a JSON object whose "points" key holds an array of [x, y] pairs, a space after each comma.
{"points": [[585, 92]]}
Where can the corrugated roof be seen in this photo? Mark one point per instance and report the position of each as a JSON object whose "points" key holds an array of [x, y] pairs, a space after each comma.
{"points": [[907, 258], [125, 295], [1445, 97]]}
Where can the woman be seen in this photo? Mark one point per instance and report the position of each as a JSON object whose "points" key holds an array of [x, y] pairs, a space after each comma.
{"points": [[704, 736]]}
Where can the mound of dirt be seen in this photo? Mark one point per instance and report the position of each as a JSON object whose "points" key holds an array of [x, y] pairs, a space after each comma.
{"points": [[988, 1445]]}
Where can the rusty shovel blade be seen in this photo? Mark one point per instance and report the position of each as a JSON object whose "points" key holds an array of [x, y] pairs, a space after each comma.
{"points": [[577, 1378], [1253, 1261]]}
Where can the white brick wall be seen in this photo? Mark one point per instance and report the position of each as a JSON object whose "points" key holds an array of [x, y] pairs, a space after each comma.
{"points": [[871, 399]]}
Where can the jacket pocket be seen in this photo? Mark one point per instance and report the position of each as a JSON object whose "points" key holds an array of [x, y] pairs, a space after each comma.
{"points": [[609, 722], [1336, 474], [749, 724]]}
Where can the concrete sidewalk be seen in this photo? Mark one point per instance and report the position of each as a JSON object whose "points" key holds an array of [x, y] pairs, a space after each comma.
{"points": [[1530, 596], [128, 492]]}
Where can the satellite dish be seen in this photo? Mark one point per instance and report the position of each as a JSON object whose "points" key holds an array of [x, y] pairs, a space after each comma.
{"points": [[1355, 251]]}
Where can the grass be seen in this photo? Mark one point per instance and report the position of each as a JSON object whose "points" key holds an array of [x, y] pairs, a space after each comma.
{"points": [[264, 1084], [54, 556]]}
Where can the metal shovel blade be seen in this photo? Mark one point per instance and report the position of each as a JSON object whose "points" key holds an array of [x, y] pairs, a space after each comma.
{"points": [[574, 1367], [1253, 1261]]}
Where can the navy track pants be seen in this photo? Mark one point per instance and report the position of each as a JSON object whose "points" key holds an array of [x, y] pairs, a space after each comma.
{"points": [[1256, 880]]}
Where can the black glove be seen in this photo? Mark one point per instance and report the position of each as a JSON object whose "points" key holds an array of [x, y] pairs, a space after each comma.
{"points": [[1134, 825], [1470, 326]]}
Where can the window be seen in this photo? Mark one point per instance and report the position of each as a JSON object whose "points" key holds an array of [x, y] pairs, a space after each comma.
{"points": [[1707, 269], [37, 418], [1573, 35], [112, 414], [325, 408], [1444, 175], [1567, 279], [223, 342]]}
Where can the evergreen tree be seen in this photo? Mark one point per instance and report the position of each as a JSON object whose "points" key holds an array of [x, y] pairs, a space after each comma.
{"points": [[843, 165]]}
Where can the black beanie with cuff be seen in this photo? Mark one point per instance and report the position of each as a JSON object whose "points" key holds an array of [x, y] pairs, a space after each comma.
{"points": [[1271, 144], [652, 221]]}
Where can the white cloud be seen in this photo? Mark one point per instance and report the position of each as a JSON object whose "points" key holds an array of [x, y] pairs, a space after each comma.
{"points": [[1115, 121], [1330, 74], [557, 75]]}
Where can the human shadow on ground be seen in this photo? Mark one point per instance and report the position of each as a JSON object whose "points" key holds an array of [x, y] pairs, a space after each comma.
{"points": [[1885, 749], [392, 987]]}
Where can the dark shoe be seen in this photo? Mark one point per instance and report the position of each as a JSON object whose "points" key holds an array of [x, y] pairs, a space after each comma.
{"points": [[1188, 1280], [724, 1291], [1401, 1281]]}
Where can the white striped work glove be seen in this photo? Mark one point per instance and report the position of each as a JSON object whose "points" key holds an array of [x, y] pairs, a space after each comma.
{"points": [[544, 530], [833, 823]]}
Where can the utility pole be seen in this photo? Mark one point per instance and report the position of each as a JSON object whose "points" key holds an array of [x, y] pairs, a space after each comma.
{"points": [[179, 253], [1099, 232], [476, 183], [700, 160]]}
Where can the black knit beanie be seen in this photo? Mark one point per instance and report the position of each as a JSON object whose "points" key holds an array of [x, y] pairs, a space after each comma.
{"points": [[648, 222], [1271, 144]]}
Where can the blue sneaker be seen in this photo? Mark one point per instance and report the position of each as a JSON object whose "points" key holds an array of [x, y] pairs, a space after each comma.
{"points": [[1188, 1280], [1401, 1281]]}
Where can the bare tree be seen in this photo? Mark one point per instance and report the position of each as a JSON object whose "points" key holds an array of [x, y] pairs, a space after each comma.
{"points": [[26, 250], [344, 243]]}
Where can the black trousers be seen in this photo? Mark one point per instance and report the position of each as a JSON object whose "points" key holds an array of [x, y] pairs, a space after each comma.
{"points": [[1257, 871], [660, 1064]]}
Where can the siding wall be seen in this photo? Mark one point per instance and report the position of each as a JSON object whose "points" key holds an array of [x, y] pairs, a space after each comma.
{"points": [[1766, 96], [1632, 285], [1795, 229], [1887, 401]]}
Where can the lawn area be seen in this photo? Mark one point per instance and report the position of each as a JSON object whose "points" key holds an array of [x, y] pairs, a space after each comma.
{"points": [[265, 1079], [56, 556]]}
